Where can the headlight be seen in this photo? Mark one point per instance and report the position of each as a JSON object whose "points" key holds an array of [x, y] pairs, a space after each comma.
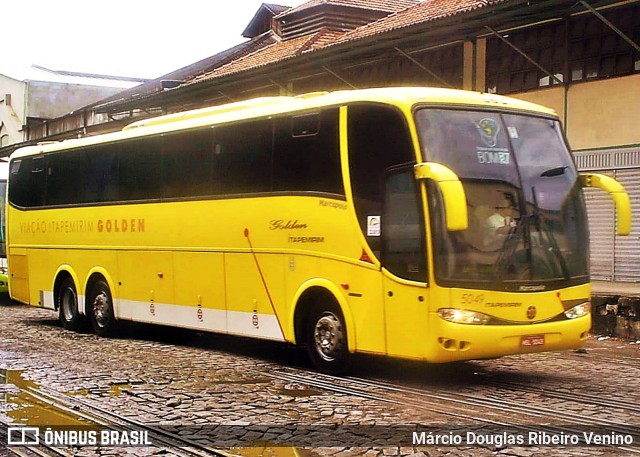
{"points": [[463, 316], [578, 311]]}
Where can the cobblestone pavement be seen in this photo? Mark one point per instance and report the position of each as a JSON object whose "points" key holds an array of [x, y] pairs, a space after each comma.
{"points": [[189, 383]]}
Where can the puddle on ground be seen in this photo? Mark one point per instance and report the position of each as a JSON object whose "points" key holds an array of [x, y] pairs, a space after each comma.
{"points": [[269, 451], [242, 381], [78, 393], [15, 377], [117, 389], [25, 409], [300, 392]]}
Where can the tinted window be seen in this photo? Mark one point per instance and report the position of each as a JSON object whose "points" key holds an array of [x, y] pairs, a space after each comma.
{"points": [[139, 169], [307, 153], [63, 171], [99, 175], [473, 144], [28, 180], [378, 139], [187, 164], [3, 246], [403, 227], [242, 157], [221, 160], [523, 197], [305, 125]]}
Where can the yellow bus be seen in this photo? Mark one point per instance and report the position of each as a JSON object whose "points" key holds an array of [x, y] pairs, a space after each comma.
{"points": [[417, 223], [4, 278]]}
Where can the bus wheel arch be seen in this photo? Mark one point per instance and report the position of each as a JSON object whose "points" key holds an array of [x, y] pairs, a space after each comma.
{"points": [[99, 305], [67, 302], [323, 327]]}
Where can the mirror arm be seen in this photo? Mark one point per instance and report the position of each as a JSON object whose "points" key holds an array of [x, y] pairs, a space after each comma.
{"points": [[617, 192]]}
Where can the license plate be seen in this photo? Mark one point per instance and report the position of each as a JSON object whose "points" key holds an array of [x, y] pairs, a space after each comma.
{"points": [[531, 340]]}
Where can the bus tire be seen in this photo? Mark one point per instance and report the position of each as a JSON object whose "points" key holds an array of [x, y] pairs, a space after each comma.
{"points": [[326, 340], [103, 319], [67, 302]]}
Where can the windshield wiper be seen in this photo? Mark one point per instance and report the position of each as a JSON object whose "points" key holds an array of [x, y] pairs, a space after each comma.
{"points": [[550, 173], [543, 229], [507, 261]]}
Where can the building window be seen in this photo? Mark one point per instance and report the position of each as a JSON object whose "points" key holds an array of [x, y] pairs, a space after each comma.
{"points": [[509, 71], [596, 51], [440, 67], [587, 47]]}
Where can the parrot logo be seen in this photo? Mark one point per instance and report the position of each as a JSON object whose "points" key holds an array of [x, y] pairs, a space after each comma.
{"points": [[488, 129]]}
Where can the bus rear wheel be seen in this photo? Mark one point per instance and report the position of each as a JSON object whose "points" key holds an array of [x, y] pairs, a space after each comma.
{"points": [[103, 319], [326, 341], [67, 301]]}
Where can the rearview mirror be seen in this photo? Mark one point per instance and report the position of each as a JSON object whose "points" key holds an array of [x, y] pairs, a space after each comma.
{"points": [[455, 200]]}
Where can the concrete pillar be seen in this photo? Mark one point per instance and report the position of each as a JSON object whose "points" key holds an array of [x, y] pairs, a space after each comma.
{"points": [[474, 65]]}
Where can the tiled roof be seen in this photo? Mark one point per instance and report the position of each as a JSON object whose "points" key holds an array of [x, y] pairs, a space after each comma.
{"points": [[426, 11], [422, 12], [323, 39], [378, 5], [275, 53]]}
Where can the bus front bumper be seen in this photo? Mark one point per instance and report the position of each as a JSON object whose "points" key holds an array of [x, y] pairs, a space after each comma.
{"points": [[454, 342]]}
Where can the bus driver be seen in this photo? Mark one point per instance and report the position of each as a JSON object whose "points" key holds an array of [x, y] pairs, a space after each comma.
{"points": [[500, 223]]}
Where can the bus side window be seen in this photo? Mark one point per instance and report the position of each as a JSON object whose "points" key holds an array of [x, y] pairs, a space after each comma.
{"points": [[242, 157], [100, 174], [306, 155], [138, 170], [64, 171], [187, 164], [403, 227], [378, 139], [28, 181]]}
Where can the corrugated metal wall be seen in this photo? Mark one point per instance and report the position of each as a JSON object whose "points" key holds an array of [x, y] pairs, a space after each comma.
{"points": [[613, 257], [627, 248], [601, 214]]}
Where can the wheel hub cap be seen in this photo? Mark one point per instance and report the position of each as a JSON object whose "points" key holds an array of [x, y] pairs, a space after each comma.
{"points": [[100, 307], [328, 336]]}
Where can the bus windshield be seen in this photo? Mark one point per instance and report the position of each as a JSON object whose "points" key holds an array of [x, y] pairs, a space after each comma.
{"points": [[527, 219]]}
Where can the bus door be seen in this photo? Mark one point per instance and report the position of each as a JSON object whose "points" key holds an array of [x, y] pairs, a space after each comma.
{"points": [[404, 265]]}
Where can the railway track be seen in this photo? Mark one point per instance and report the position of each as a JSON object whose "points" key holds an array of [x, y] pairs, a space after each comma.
{"points": [[623, 404], [594, 356], [492, 411], [459, 407], [95, 417], [504, 402], [495, 408]]}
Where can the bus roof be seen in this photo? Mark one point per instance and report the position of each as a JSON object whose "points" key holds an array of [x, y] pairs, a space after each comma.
{"points": [[268, 106]]}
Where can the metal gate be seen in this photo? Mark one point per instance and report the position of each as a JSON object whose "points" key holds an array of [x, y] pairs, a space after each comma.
{"points": [[613, 257], [627, 248]]}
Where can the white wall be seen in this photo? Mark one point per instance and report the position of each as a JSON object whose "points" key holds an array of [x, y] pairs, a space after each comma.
{"points": [[12, 117]]}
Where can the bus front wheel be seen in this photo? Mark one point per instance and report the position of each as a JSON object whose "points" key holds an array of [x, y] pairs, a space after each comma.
{"points": [[326, 341], [67, 301], [102, 315]]}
